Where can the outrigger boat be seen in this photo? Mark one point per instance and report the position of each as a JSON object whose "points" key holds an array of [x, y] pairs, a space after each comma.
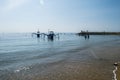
{"points": [[50, 35]]}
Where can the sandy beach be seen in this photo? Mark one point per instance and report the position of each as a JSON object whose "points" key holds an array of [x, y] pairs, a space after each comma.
{"points": [[98, 69], [97, 66], [118, 72], [77, 59]]}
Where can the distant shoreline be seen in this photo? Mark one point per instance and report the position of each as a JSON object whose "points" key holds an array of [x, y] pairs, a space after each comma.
{"points": [[98, 33]]}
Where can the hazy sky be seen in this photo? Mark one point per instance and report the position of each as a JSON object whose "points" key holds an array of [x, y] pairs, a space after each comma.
{"points": [[59, 15]]}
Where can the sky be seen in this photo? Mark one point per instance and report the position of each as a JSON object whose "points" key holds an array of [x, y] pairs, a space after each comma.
{"points": [[59, 15]]}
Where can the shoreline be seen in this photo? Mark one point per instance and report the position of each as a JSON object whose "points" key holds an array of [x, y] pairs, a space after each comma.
{"points": [[95, 68], [91, 63], [118, 72]]}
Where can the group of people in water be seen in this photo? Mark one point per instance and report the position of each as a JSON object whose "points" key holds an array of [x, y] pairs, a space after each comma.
{"points": [[87, 36]]}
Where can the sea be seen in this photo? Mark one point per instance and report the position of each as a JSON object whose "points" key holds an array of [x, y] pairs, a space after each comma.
{"points": [[23, 54]]}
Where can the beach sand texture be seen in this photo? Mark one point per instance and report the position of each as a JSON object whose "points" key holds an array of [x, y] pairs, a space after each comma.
{"points": [[98, 69], [98, 65], [118, 72]]}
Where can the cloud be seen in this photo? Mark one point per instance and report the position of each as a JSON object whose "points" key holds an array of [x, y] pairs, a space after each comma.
{"points": [[13, 4]]}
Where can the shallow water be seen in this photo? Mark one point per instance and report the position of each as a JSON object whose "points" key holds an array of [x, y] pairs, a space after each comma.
{"points": [[25, 57]]}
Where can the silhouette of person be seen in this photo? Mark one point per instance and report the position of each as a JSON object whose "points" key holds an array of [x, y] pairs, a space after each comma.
{"points": [[38, 34], [85, 37]]}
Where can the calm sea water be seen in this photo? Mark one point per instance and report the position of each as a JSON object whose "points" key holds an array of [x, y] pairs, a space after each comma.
{"points": [[21, 51]]}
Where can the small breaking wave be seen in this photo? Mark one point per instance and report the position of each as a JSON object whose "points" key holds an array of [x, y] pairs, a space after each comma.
{"points": [[114, 71], [22, 69]]}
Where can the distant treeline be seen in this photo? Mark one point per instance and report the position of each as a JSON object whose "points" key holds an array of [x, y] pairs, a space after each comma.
{"points": [[99, 33]]}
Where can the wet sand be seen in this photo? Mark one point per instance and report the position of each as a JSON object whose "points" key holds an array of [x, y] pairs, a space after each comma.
{"points": [[118, 72], [99, 66], [94, 63]]}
